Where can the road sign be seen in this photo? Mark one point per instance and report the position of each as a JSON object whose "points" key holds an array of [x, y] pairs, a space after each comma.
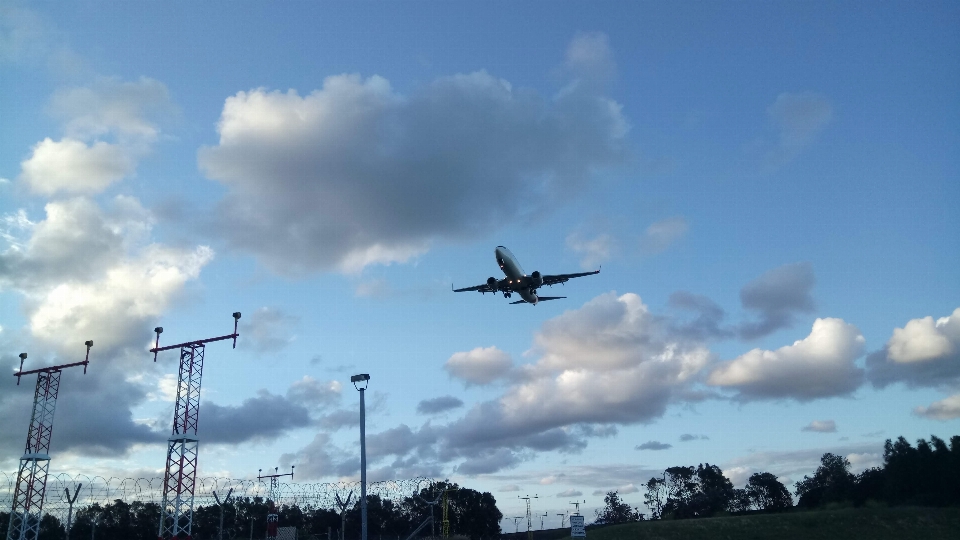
{"points": [[577, 529]]}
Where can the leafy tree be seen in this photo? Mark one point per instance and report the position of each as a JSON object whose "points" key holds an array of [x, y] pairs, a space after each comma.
{"points": [[680, 490], [713, 493], [740, 502], [656, 496], [832, 482], [767, 493], [616, 511]]}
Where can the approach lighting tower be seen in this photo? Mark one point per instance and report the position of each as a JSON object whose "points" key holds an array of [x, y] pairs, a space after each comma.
{"points": [[180, 476], [273, 512], [529, 516], [35, 464]]}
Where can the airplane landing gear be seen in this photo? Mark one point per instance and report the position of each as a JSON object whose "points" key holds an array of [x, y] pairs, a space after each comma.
{"points": [[506, 295]]}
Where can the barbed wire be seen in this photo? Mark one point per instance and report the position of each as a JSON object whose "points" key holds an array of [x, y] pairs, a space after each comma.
{"points": [[102, 491]]}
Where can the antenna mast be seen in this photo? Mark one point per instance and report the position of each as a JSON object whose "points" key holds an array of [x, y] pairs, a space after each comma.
{"points": [[529, 516]]}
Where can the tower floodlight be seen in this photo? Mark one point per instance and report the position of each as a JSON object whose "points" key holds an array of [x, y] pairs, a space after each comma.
{"points": [[516, 524], [577, 505], [180, 475], [35, 464], [563, 519], [545, 514]]}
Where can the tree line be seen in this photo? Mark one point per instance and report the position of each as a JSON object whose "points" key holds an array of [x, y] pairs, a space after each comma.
{"points": [[925, 475], [470, 513]]}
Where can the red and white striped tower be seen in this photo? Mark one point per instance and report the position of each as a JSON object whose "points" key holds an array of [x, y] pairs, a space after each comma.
{"points": [[179, 480], [35, 463]]}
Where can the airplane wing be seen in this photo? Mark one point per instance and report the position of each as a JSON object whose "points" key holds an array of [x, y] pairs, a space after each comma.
{"points": [[540, 299], [563, 278], [482, 288]]}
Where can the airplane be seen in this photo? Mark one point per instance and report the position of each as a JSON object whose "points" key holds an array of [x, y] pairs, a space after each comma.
{"points": [[520, 283]]}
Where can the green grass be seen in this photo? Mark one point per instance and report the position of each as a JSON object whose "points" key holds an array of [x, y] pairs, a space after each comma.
{"points": [[876, 523]]}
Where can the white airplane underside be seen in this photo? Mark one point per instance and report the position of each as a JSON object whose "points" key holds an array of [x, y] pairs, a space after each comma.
{"points": [[518, 282]]}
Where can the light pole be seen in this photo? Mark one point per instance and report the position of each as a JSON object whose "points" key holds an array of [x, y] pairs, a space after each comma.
{"points": [[365, 379]]}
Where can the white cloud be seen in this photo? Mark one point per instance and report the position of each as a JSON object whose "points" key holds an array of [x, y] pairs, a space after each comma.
{"points": [[337, 179], [593, 251], [660, 235], [84, 163], [922, 353], [480, 366], [72, 166], [923, 339], [820, 365], [821, 426], [267, 330], [84, 273], [945, 409], [510, 487], [570, 493], [589, 58]]}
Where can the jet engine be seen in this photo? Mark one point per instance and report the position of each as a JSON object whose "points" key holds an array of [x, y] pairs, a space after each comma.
{"points": [[536, 280], [492, 283]]}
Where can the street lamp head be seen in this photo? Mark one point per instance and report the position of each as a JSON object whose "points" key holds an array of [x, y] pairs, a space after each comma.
{"points": [[236, 314], [158, 330], [363, 377], [23, 356], [88, 343]]}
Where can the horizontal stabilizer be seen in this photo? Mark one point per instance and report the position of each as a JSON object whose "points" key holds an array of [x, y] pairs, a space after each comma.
{"points": [[519, 302], [545, 298]]}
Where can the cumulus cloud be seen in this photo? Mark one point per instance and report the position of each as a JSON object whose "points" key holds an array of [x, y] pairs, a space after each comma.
{"points": [[263, 417], [86, 272], [653, 445], [945, 409], [657, 237], [777, 297], [82, 162], [439, 405], [799, 117], [480, 366], [311, 392], [922, 353], [73, 166], [337, 179], [592, 251], [610, 362], [821, 426], [820, 365]]}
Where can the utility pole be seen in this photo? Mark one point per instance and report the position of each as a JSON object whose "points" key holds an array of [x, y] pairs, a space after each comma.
{"points": [[70, 502], [225, 500], [273, 517], [433, 527], [365, 379], [343, 513], [563, 518], [516, 524], [180, 475], [529, 516], [31, 484], [545, 514]]}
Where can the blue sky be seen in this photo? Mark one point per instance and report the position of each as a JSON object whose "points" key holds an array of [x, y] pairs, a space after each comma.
{"points": [[771, 189]]}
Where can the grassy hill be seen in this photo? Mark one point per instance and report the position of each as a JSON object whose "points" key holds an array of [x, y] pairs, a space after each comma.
{"points": [[875, 523]]}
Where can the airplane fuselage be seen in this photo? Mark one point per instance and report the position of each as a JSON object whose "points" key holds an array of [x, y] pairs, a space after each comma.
{"points": [[516, 280]]}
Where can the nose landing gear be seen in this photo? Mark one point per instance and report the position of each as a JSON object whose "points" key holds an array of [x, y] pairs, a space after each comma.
{"points": [[507, 295]]}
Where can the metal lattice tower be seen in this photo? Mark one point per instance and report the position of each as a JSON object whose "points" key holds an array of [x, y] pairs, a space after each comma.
{"points": [[35, 464], [180, 476], [529, 516]]}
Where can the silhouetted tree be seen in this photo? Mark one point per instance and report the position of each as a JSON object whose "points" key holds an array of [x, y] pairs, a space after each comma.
{"points": [[616, 511], [740, 502], [656, 496], [767, 493], [832, 482]]}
